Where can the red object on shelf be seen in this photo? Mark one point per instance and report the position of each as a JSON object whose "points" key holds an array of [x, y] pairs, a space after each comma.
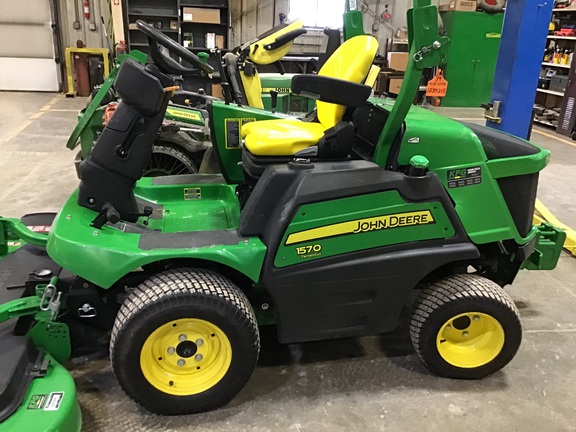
{"points": [[565, 32]]}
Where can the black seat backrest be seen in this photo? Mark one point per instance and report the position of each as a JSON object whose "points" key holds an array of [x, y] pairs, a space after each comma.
{"points": [[331, 46], [123, 149]]}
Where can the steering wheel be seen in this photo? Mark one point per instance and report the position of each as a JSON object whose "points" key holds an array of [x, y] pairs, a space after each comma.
{"points": [[166, 62]]}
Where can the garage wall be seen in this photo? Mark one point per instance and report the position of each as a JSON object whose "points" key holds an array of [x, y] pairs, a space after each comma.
{"points": [[91, 39], [27, 47], [252, 17]]}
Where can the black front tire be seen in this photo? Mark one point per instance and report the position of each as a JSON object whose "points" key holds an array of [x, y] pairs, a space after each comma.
{"points": [[450, 303], [170, 297]]}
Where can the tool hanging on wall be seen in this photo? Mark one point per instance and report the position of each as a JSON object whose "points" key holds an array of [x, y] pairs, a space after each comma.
{"points": [[76, 24], [88, 15], [86, 8]]}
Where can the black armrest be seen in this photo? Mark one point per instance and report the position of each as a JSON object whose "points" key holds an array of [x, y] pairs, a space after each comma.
{"points": [[331, 90], [284, 39]]}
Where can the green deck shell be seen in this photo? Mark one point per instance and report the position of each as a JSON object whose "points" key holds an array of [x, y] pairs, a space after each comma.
{"points": [[104, 256], [67, 418]]}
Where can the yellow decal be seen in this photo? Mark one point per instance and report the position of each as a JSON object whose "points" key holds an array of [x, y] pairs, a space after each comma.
{"points": [[184, 114], [423, 217], [309, 251], [276, 89], [493, 35]]}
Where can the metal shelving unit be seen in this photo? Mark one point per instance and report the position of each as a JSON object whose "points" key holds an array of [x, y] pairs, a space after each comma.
{"points": [[552, 92], [557, 97], [555, 65], [162, 13], [545, 123]]}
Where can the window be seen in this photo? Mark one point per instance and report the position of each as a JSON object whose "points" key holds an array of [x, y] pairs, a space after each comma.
{"points": [[318, 13]]}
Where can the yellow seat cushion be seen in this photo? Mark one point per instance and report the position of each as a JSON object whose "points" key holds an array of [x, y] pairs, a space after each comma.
{"points": [[283, 137]]}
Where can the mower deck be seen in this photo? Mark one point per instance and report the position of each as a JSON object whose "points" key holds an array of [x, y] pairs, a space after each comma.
{"points": [[36, 392]]}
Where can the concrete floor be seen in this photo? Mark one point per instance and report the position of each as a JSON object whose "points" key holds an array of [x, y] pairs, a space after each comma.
{"points": [[365, 384]]}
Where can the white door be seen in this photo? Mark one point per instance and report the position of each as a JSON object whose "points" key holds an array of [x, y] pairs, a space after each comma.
{"points": [[27, 54]]}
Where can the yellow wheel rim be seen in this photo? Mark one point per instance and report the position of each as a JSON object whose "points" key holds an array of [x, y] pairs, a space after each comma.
{"points": [[470, 340], [186, 357]]}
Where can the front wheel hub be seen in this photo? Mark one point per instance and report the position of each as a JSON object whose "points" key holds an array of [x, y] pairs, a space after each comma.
{"points": [[186, 349], [174, 362]]}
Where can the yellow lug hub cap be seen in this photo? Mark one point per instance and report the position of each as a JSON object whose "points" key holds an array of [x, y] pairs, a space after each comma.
{"points": [[470, 340], [186, 357]]}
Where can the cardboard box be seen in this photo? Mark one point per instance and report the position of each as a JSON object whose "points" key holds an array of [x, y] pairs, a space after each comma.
{"points": [[398, 60], [383, 81], [201, 15], [458, 5], [395, 85], [217, 91], [214, 41]]}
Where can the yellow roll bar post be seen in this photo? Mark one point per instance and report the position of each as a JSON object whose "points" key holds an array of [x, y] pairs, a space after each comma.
{"points": [[542, 214], [104, 52]]}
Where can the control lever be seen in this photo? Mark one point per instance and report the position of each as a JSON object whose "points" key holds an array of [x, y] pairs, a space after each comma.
{"points": [[492, 111], [274, 100], [280, 67], [110, 214], [226, 90]]}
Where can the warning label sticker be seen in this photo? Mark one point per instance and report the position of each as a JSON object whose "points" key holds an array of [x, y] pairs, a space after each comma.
{"points": [[54, 401], [464, 177], [192, 194]]}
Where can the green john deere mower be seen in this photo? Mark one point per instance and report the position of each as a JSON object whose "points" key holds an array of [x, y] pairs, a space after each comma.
{"points": [[323, 227], [183, 143]]}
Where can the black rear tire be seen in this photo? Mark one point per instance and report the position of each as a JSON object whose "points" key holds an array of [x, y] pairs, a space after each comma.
{"points": [[465, 326], [167, 160], [183, 302]]}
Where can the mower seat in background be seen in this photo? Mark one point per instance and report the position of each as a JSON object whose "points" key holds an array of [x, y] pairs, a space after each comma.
{"points": [[268, 48], [286, 137]]}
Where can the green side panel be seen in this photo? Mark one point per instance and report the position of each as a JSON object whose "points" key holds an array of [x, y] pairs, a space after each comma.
{"points": [[54, 337], [451, 146], [186, 115], [358, 223], [104, 256], [422, 23], [276, 82], [353, 24], [474, 43], [227, 121], [282, 104], [50, 404], [287, 102]]}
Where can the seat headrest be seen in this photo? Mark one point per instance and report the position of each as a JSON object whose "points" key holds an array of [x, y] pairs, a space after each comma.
{"points": [[262, 56]]}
